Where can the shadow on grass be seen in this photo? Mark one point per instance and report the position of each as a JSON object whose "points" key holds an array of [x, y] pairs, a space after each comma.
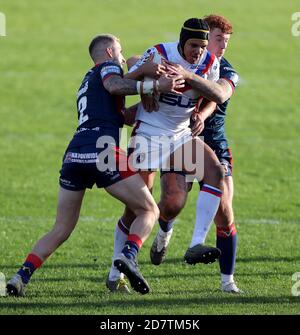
{"points": [[98, 279], [140, 302], [93, 264], [169, 260], [178, 260], [63, 265]]}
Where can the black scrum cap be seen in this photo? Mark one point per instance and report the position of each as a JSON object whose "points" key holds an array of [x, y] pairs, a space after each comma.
{"points": [[193, 28]]}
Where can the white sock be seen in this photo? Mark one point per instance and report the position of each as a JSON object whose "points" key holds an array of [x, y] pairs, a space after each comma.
{"points": [[163, 238], [207, 205], [227, 278], [120, 239]]}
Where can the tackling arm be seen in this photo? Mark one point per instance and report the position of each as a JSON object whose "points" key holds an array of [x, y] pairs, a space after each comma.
{"points": [[218, 92], [117, 85], [206, 108], [200, 115]]}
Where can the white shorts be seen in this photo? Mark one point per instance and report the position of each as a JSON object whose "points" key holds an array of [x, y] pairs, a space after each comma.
{"points": [[151, 151]]}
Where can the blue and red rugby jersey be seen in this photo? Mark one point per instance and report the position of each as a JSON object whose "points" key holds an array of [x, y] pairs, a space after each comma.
{"points": [[97, 108], [214, 131]]}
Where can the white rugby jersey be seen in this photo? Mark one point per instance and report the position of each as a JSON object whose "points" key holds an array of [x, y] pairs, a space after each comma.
{"points": [[175, 110]]}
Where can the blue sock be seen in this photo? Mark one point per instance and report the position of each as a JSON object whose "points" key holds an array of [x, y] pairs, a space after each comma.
{"points": [[26, 272], [227, 243], [166, 225], [32, 262], [130, 249]]}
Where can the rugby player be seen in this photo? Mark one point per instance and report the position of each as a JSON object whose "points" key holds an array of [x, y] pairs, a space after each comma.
{"points": [[100, 103], [212, 122], [189, 57]]}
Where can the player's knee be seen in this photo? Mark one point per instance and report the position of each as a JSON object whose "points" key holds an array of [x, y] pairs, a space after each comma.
{"points": [[128, 217], [215, 175], [149, 208], [153, 209], [170, 207], [220, 173]]}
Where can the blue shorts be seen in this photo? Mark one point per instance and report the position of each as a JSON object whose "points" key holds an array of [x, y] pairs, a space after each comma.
{"points": [[80, 169]]}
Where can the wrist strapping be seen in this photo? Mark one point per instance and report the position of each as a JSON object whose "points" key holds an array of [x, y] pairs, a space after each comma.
{"points": [[147, 87]]}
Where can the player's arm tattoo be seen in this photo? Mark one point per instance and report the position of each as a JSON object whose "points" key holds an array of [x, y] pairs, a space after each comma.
{"points": [[218, 92], [120, 86]]}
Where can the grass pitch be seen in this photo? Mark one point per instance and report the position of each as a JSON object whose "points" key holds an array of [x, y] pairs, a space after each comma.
{"points": [[42, 61]]}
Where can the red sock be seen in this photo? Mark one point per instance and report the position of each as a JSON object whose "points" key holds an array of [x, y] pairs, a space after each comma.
{"points": [[35, 260]]}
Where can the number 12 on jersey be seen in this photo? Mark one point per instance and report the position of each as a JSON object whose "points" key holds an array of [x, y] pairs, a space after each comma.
{"points": [[82, 104]]}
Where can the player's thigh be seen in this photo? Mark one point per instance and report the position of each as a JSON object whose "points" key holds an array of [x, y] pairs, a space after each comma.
{"points": [[225, 215], [128, 215], [68, 207], [134, 193]]}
